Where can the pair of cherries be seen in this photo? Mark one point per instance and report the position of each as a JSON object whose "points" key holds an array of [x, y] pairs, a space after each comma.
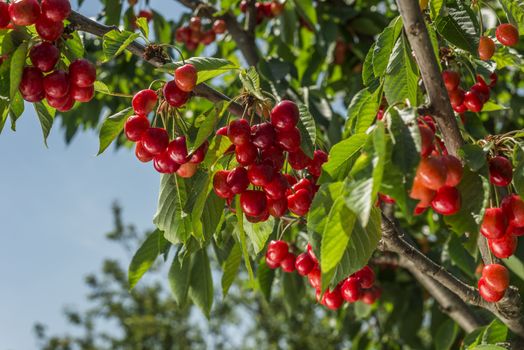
{"points": [[193, 34], [507, 34], [493, 283], [472, 100]]}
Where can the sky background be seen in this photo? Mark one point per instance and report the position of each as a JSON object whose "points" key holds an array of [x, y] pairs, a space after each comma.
{"points": [[55, 208]]}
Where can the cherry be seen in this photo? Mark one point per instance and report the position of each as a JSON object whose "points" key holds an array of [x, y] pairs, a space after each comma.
{"points": [[220, 185], [147, 14], [493, 76], [239, 132], [503, 247], [177, 150], [237, 180], [186, 77], [386, 199], [34, 98], [275, 155], [44, 56], [299, 202], [427, 137], [195, 38], [303, 184], [370, 296], [486, 48], [304, 264], [507, 34], [57, 102], [243, 6], [298, 160], [182, 34], [428, 121], [83, 74], [276, 8], [252, 202], [135, 127], [500, 171], [284, 116], [366, 276], [447, 201], [246, 153], [263, 135], [164, 164], [24, 12], [488, 294], [223, 132], [277, 187], [199, 154], [142, 154], [56, 10], [451, 79], [68, 105], [174, 96], [4, 15], [496, 277], [333, 299], [482, 91], [289, 140], [319, 158], [432, 172], [208, 37], [473, 101], [513, 208], [288, 263], [277, 207], [515, 231], [32, 82], [82, 94], [277, 250], [219, 26], [456, 97], [260, 174], [420, 209], [144, 101], [454, 170], [272, 264], [155, 140], [195, 23], [422, 193], [461, 109], [351, 290], [48, 29], [56, 84], [494, 223], [187, 170]]}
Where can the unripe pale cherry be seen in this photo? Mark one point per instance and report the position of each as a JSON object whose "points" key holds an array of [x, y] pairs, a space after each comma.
{"points": [[135, 127], [186, 77], [507, 34], [447, 201], [44, 56], [496, 277], [285, 115], [48, 29], [56, 10], [24, 12], [494, 223], [488, 294], [500, 171], [83, 73]]}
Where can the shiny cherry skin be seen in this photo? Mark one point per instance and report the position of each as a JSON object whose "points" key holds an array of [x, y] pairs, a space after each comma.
{"points": [[486, 48], [199, 154], [299, 202], [237, 180], [454, 170], [263, 135], [135, 127], [482, 90], [35, 98], [246, 153], [351, 290], [32, 82], [304, 264], [220, 185], [447, 201], [56, 84], [289, 140], [142, 154], [500, 171], [177, 150], [456, 97], [48, 29], [164, 164], [303, 184], [57, 102], [488, 294], [288, 263], [496, 277], [219, 26], [370, 296], [144, 101], [4, 15], [503, 247], [186, 77], [82, 94], [275, 155], [252, 202], [222, 131], [277, 207], [56, 10], [260, 174], [315, 167], [366, 276], [333, 299], [44, 56], [70, 102], [432, 172], [155, 141], [299, 160], [513, 207], [515, 231], [24, 12], [208, 37], [83, 74], [451, 79], [272, 264], [187, 170], [277, 250], [285, 115], [507, 34], [239, 132], [473, 101], [422, 193], [427, 136], [277, 187], [174, 96], [494, 224]]}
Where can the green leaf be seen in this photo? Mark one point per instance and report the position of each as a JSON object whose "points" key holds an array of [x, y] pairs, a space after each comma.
{"points": [[212, 214], [515, 265], [73, 48], [242, 238], [265, 277], [143, 25], [308, 131], [46, 116], [362, 110], [321, 206], [112, 10], [111, 128], [102, 87], [507, 57], [446, 335], [515, 11], [459, 27], [201, 282], [307, 11], [258, 233], [384, 46], [207, 67], [474, 156], [178, 276], [401, 81], [435, 6], [211, 119], [115, 42], [230, 267], [496, 332], [197, 201], [367, 68], [145, 256], [341, 157], [487, 347], [16, 108], [17, 68], [4, 112]]}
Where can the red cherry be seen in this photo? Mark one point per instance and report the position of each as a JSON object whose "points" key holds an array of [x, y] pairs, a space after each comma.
{"points": [[164, 164], [386, 199], [144, 101], [147, 14], [299, 202], [239, 132], [58, 102], [333, 299], [155, 140], [142, 154], [44, 56], [285, 115], [182, 34], [253, 203], [289, 140], [488, 294], [351, 290], [304, 264], [420, 209], [275, 155], [48, 29], [174, 96], [456, 97], [339, 53], [422, 193], [68, 105], [82, 94], [366, 276], [32, 82], [513, 208], [288, 263], [24, 12], [432, 172], [427, 136], [223, 131], [277, 207], [195, 23], [370, 296], [56, 84], [260, 174], [494, 223], [315, 278], [199, 154], [237, 180], [319, 158], [246, 153], [515, 231], [486, 48], [276, 8], [208, 37], [451, 79], [34, 98], [303, 184], [507, 34], [4, 15], [243, 6], [83, 74], [447, 201], [219, 26], [56, 10], [135, 127], [272, 264], [186, 77], [503, 247], [482, 91], [177, 150], [496, 277], [454, 170], [277, 187], [461, 109], [277, 250], [220, 185], [473, 101], [263, 135], [311, 253], [298, 160], [493, 76], [187, 170], [500, 171], [428, 121]]}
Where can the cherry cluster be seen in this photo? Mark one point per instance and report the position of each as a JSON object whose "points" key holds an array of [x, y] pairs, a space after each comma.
{"points": [[437, 175], [493, 282], [502, 225], [358, 286], [268, 9], [193, 35], [507, 34], [259, 151], [472, 100], [153, 143]]}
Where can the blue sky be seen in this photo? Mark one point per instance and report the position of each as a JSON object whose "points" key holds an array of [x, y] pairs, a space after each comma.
{"points": [[54, 212]]}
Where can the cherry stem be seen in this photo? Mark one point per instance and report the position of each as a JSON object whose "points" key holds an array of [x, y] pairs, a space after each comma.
{"points": [[177, 50]]}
